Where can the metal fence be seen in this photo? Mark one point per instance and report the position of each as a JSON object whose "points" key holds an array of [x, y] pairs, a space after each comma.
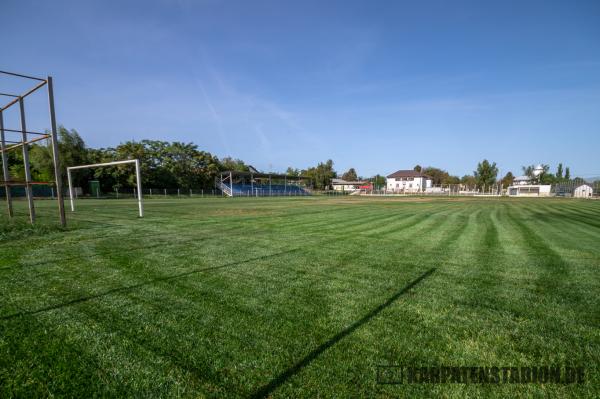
{"points": [[47, 191], [38, 190], [571, 189]]}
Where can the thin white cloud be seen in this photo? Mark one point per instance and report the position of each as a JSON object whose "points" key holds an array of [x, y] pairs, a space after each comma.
{"points": [[215, 115]]}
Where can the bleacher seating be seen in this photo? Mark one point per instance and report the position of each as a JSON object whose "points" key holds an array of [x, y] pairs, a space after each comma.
{"points": [[264, 190]]}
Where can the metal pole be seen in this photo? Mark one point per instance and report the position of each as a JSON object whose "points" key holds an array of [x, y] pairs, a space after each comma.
{"points": [[55, 155], [138, 178], [5, 171], [70, 182], [231, 183], [26, 163]]}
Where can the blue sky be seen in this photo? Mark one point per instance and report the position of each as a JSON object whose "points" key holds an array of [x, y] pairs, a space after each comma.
{"points": [[378, 86]]}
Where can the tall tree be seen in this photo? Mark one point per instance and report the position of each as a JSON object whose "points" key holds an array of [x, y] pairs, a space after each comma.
{"points": [[418, 168], [507, 180], [379, 182], [486, 174], [528, 170], [545, 176], [292, 172], [321, 175], [350, 175], [72, 151], [567, 173], [559, 171]]}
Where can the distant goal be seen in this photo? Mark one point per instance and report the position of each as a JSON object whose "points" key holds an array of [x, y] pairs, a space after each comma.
{"points": [[138, 180]]}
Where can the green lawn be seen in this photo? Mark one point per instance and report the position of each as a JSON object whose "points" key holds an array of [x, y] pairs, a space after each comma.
{"points": [[297, 296]]}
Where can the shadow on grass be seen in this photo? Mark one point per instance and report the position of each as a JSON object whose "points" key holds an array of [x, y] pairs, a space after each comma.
{"points": [[266, 390], [13, 230], [135, 286], [116, 251]]}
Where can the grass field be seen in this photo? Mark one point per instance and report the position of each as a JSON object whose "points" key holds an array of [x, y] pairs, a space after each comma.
{"points": [[298, 296]]}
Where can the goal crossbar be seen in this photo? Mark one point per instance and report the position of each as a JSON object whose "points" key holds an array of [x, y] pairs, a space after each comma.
{"points": [[138, 180]]}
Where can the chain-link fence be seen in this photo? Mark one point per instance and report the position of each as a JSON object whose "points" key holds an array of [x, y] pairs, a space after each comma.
{"points": [[39, 191], [48, 191]]}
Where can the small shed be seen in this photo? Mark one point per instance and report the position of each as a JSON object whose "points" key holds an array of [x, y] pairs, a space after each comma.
{"points": [[583, 191]]}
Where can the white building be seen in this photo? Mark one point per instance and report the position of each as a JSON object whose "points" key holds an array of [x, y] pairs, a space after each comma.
{"points": [[521, 180], [583, 191], [344, 185], [407, 181], [526, 186], [529, 190]]}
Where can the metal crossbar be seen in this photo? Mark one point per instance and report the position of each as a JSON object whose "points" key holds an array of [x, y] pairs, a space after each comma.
{"points": [[22, 143]]}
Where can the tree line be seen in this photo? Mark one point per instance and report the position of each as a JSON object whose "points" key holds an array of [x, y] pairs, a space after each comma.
{"points": [[183, 165], [163, 164]]}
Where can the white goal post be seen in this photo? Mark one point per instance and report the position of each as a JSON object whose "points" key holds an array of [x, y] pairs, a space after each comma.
{"points": [[138, 180]]}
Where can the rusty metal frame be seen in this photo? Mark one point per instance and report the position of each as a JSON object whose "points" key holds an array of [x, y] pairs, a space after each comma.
{"points": [[24, 143]]}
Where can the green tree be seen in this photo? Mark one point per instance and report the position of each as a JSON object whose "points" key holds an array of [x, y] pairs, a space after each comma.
{"points": [[350, 175], [15, 165], [292, 172], [567, 173], [486, 174], [468, 180], [541, 176], [237, 165], [163, 165], [439, 176], [379, 182], [545, 177], [72, 151], [418, 168], [450, 179], [321, 175], [507, 180], [528, 171], [559, 171]]}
